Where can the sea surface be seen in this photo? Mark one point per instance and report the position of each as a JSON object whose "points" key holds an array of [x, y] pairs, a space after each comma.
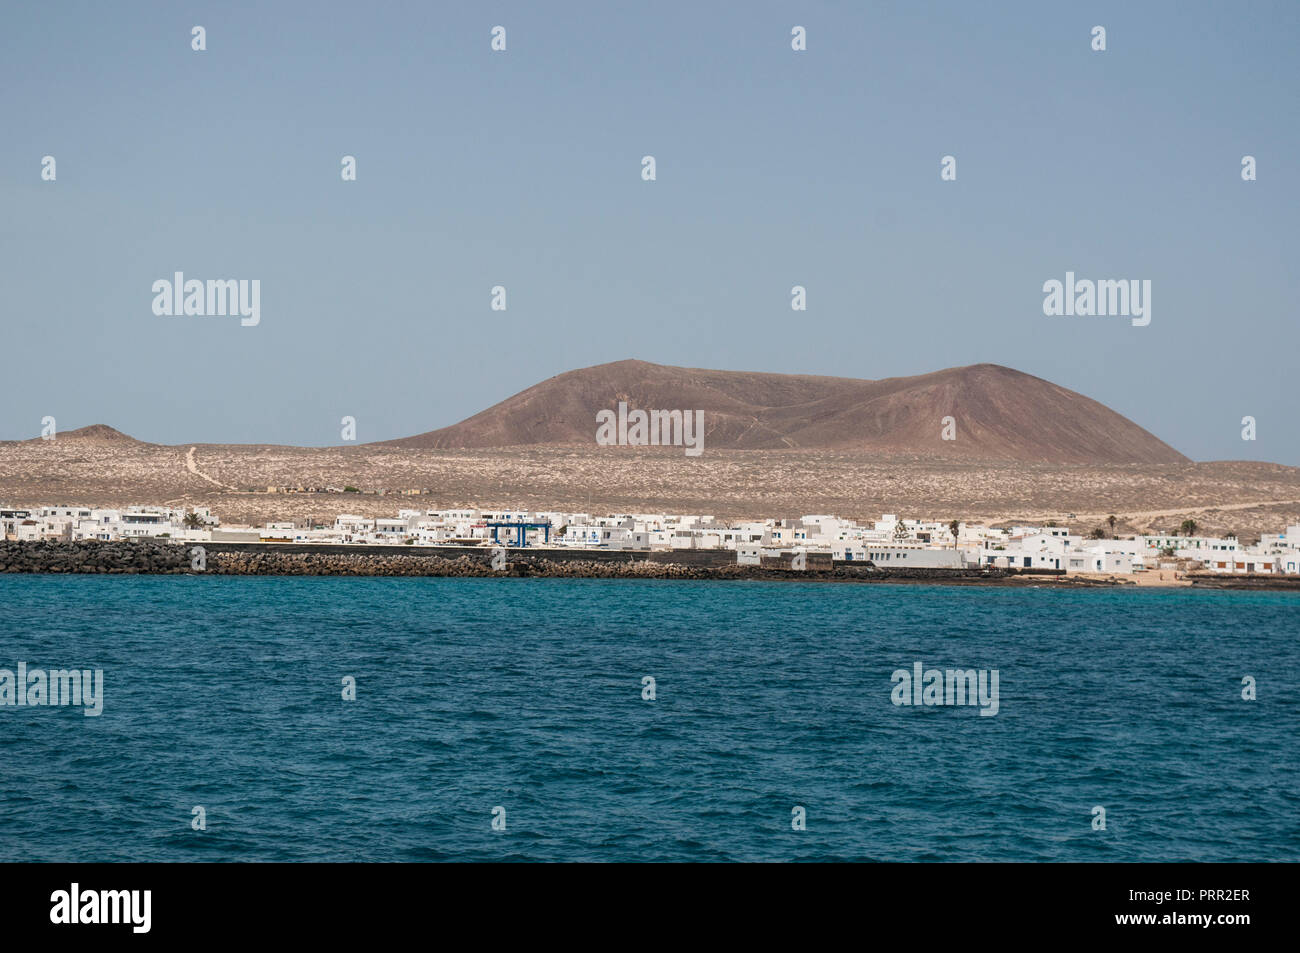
{"points": [[527, 695]]}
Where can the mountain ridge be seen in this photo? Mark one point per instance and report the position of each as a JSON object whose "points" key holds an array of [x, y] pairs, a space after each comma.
{"points": [[999, 413]]}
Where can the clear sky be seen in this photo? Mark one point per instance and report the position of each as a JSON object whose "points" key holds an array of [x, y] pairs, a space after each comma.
{"points": [[523, 169]]}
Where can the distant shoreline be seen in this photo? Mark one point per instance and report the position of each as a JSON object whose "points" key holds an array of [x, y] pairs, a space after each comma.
{"points": [[161, 557]]}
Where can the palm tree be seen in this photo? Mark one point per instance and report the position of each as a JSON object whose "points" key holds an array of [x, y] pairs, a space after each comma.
{"points": [[1112, 521], [954, 527], [193, 520], [1188, 527]]}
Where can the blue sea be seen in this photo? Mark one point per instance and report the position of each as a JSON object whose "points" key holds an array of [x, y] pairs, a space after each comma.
{"points": [[523, 699]]}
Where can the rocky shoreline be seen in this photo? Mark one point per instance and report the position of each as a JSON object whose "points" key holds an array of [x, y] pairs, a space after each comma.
{"points": [[163, 557], [151, 556]]}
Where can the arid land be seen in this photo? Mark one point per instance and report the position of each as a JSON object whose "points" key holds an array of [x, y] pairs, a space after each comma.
{"points": [[1239, 497]]}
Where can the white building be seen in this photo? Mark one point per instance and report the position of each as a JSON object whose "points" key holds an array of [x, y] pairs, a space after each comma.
{"points": [[888, 556]]}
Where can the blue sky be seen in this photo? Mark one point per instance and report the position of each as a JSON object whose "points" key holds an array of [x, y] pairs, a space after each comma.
{"points": [[522, 169]]}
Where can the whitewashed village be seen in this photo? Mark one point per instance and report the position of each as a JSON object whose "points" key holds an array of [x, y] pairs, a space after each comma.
{"points": [[888, 542]]}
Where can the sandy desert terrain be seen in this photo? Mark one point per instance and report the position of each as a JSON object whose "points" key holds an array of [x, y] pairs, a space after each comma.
{"points": [[98, 468]]}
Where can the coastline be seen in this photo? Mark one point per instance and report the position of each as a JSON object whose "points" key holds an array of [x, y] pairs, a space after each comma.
{"points": [[164, 557]]}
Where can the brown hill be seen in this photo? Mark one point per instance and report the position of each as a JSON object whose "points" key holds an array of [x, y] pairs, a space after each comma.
{"points": [[98, 434], [1000, 414]]}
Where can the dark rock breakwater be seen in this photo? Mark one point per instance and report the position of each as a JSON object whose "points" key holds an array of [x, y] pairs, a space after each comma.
{"points": [[159, 556]]}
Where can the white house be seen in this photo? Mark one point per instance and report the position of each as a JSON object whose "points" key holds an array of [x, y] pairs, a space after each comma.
{"points": [[898, 557]]}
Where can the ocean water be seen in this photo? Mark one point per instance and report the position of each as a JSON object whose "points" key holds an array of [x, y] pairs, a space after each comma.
{"points": [[526, 694]]}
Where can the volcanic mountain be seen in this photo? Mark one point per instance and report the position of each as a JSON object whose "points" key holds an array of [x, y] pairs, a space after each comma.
{"points": [[998, 413]]}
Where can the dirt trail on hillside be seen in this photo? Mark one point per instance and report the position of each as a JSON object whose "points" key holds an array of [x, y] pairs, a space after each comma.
{"points": [[192, 465]]}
